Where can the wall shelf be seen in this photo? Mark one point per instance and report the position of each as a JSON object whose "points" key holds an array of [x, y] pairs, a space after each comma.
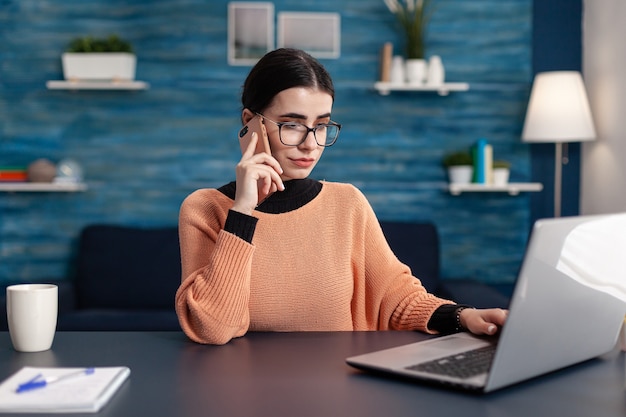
{"points": [[384, 88], [512, 188], [97, 85], [69, 187]]}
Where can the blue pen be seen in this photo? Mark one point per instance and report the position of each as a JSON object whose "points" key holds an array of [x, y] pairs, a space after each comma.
{"points": [[39, 382]]}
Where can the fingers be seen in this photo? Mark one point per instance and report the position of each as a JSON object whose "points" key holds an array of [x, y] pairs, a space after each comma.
{"points": [[491, 329], [493, 319], [251, 146], [485, 321], [258, 176], [262, 158]]}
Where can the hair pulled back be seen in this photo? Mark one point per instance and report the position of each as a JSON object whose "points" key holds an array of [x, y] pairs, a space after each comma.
{"points": [[280, 70]]}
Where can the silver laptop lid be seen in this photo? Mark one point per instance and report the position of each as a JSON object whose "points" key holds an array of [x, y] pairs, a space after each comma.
{"points": [[570, 298]]}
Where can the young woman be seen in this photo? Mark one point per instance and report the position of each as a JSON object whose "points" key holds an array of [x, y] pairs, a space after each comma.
{"points": [[278, 251]]}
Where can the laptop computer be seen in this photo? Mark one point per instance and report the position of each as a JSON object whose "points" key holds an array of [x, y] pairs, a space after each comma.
{"points": [[568, 306]]}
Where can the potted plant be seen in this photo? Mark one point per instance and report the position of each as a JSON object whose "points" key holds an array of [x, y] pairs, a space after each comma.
{"points": [[501, 172], [99, 59], [460, 166], [413, 17]]}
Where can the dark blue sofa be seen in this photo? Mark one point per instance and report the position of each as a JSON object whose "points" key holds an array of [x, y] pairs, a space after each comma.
{"points": [[125, 278], [418, 246]]}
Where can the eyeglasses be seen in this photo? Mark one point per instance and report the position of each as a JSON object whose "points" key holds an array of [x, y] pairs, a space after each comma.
{"points": [[294, 134]]}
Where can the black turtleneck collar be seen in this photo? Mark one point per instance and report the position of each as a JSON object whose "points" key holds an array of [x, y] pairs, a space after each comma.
{"points": [[297, 193]]}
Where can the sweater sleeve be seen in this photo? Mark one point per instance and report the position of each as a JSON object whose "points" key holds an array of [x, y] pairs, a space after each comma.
{"points": [[393, 297], [212, 300]]}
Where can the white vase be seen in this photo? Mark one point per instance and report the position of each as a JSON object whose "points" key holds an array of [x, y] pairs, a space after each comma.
{"points": [[436, 71], [397, 75], [416, 71], [460, 174]]}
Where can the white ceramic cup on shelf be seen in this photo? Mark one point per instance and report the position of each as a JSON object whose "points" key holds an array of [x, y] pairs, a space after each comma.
{"points": [[32, 311]]}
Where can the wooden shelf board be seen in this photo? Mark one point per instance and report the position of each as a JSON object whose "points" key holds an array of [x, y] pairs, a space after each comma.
{"points": [[444, 89], [42, 187], [512, 188], [96, 85]]}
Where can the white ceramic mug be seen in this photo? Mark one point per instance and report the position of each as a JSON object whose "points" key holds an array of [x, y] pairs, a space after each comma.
{"points": [[32, 316]]}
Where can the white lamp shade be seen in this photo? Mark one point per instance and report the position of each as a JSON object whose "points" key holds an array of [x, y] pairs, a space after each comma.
{"points": [[558, 109]]}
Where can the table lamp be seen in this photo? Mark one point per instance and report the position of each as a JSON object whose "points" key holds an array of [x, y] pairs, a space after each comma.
{"points": [[558, 111]]}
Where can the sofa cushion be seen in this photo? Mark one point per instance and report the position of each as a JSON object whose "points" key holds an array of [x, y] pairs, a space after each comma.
{"points": [[416, 245], [118, 320], [121, 267], [472, 292]]}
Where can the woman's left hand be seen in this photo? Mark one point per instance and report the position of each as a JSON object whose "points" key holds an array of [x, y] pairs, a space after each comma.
{"points": [[483, 321]]}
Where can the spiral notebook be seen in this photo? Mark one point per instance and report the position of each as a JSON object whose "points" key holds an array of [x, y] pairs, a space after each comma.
{"points": [[86, 393]]}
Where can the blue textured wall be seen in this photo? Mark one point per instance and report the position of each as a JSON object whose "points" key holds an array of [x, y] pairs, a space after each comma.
{"points": [[143, 152]]}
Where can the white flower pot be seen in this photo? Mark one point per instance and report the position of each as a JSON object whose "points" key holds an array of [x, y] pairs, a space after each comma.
{"points": [[460, 174], [501, 176], [416, 71], [106, 66]]}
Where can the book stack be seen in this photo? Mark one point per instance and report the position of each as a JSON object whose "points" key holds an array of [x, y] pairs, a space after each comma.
{"points": [[482, 153], [13, 174]]}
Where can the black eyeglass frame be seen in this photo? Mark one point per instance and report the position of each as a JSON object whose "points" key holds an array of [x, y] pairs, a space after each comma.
{"points": [[309, 130]]}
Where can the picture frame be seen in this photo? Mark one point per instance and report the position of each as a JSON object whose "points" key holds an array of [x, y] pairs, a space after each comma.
{"points": [[317, 33], [250, 31]]}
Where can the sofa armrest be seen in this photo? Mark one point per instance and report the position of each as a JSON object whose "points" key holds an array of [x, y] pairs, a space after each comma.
{"points": [[472, 292]]}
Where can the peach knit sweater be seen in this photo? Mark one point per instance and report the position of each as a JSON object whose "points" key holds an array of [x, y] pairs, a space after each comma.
{"points": [[325, 266]]}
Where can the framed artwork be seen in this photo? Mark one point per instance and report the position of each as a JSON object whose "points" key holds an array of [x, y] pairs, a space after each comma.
{"points": [[250, 31], [316, 33]]}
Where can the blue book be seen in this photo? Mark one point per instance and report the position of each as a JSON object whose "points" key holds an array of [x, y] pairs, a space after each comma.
{"points": [[480, 176]]}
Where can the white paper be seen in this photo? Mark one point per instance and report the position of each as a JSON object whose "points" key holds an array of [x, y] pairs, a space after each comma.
{"points": [[85, 393]]}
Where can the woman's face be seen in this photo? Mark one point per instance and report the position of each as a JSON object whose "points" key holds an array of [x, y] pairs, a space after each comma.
{"points": [[301, 105]]}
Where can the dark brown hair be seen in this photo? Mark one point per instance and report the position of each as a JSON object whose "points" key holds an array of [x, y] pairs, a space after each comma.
{"points": [[280, 70]]}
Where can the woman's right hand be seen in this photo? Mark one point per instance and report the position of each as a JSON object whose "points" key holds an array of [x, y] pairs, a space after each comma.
{"points": [[258, 176]]}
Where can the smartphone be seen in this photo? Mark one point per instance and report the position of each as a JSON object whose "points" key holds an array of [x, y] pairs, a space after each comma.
{"points": [[245, 136]]}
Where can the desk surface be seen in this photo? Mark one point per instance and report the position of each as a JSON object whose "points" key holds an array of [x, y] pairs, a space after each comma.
{"points": [[304, 374]]}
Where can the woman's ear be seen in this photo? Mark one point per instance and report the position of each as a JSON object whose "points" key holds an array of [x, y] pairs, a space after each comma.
{"points": [[246, 116]]}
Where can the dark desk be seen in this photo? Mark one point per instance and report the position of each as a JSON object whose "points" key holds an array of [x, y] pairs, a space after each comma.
{"points": [[304, 374]]}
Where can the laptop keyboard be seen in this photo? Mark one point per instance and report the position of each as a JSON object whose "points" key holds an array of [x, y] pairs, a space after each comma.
{"points": [[461, 365]]}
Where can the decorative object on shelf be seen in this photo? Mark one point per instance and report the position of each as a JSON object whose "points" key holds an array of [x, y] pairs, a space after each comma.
{"points": [[386, 59], [416, 71], [413, 17], [41, 170], [436, 71], [99, 59], [397, 71], [459, 165], [68, 171], [558, 111], [501, 172]]}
